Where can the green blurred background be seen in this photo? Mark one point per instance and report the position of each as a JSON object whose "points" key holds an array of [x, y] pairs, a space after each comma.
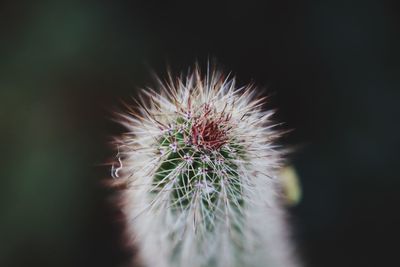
{"points": [[331, 67]]}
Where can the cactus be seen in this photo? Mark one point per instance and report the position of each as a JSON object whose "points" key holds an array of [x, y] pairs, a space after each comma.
{"points": [[199, 167]]}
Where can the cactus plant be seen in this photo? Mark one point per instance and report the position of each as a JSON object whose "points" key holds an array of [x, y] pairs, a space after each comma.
{"points": [[199, 167]]}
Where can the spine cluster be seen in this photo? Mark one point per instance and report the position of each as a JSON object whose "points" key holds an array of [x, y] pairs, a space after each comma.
{"points": [[199, 165]]}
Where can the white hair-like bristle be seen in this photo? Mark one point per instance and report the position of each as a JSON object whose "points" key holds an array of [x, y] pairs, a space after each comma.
{"points": [[199, 167]]}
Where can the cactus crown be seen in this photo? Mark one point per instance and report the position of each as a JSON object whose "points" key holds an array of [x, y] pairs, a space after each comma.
{"points": [[197, 162], [199, 165]]}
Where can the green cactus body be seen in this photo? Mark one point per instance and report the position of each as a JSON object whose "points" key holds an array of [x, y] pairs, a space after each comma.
{"points": [[196, 175], [199, 167]]}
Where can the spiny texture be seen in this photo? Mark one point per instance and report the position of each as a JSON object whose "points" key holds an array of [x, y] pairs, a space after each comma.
{"points": [[199, 167]]}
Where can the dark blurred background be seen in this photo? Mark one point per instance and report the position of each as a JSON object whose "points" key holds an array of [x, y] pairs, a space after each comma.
{"points": [[332, 70]]}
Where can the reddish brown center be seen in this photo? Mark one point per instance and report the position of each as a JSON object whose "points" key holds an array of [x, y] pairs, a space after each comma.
{"points": [[209, 131]]}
